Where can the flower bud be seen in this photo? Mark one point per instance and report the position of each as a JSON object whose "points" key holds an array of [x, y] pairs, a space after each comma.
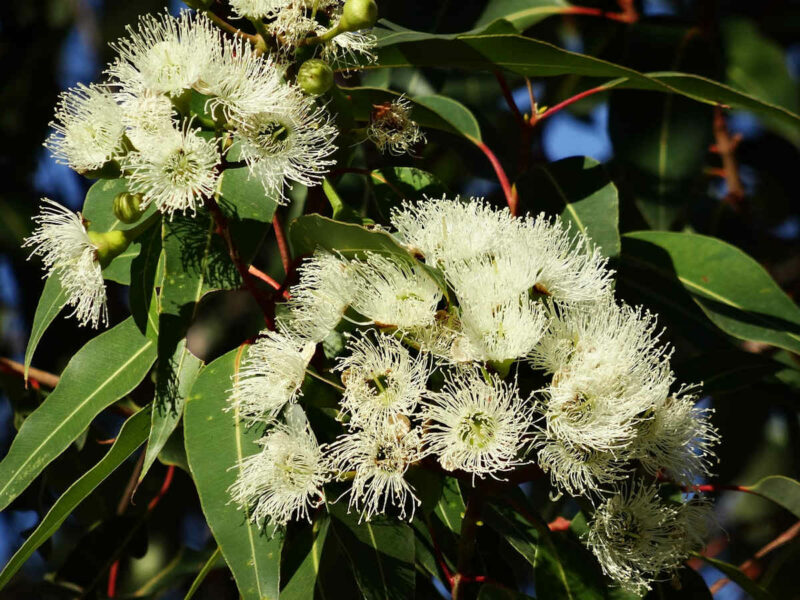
{"points": [[358, 14], [108, 245], [315, 77], [126, 207]]}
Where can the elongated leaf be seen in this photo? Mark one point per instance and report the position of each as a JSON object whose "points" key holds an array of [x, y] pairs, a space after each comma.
{"points": [[561, 568], [215, 561], [243, 197], [781, 490], [381, 553], [534, 58], [735, 574], [456, 114], [450, 508], [304, 580], [168, 409], [748, 306], [579, 189], [52, 300], [522, 13], [130, 437], [217, 441], [104, 370]]}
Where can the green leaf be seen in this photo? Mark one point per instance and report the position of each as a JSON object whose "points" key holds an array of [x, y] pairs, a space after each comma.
{"points": [[380, 551], [102, 372], [579, 189], [781, 490], [217, 441], [726, 371], [52, 300], [243, 197], [522, 13], [749, 306], [185, 562], [450, 509], [215, 561], [98, 209], [561, 568], [129, 438], [735, 574], [168, 409], [534, 58], [661, 140], [757, 65], [689, 586], [435, 112], [304, 580], [146, 269]]}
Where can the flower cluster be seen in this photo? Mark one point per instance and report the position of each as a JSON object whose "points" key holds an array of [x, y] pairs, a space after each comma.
{"points": [[437, 351]]}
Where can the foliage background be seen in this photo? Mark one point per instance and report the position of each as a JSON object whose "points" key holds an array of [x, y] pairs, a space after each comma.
{"points": [[49, 45]]}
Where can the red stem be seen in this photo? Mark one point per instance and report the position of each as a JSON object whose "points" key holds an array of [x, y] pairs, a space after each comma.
{"points": [[622, 17], [255, 272], [283, 247], [111, 589], [536, 118], [509, 192], [439, 556], [559, 524], [509, 98], [164, 488]]}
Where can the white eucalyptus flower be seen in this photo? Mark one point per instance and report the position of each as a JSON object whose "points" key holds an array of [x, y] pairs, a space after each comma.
{"points": [[146, 117], [271, 375], [392, 130], [88, 128], [67, 251], [394, 292], [638, 537], [242, 83], [604, 335], [291, 144], [285, 479], [175, 171], [677, 439], [450, 231], [320, 298], [166, 54], [578, 470], [378, 459], [477, 424], [258, 9], [381, 380], [499, 332]]}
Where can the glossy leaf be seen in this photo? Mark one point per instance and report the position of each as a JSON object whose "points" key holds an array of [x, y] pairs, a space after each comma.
{"points": [[450, 508], [535, 58], [130, 437], [52, 300], [217, 441], [380, 551], [522, 13], [757, 65], [304, 580], [243, 197], [735, 574], [748, 306], [579, 189], [781, 490], [102, 372], [168, 409], [458, 116]]}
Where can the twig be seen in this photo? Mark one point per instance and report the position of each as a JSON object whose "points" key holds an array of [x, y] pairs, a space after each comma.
{"points": [[627, 15], [559, 524], [225, 26], [283, 246], [255, 272], [222, 228], [750, 567], [509, 97], [36, 375], [554, 109], [439, 556], [726, 145], [509, 191]]}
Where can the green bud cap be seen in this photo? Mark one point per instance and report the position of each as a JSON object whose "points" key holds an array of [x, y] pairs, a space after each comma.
{"points": [[126, 207], [109, 245], [315, 77], [358, 14]]}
